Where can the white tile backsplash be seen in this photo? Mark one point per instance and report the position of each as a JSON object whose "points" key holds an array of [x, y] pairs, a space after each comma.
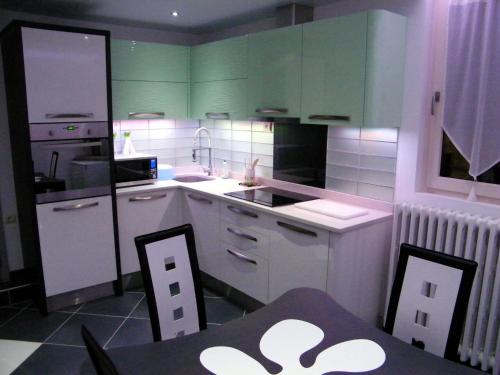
{"points": [[362, 161]]}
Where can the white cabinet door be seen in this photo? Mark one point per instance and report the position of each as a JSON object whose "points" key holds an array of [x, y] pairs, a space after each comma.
{"points": [[77, 244], [65, 76], [143, 213], [202, 212], [298, 257]]}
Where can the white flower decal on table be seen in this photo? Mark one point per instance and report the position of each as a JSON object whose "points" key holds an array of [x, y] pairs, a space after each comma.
{"points": [[285, 342]]}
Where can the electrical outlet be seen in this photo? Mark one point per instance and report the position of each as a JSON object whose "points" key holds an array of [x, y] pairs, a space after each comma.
{"points": [[10, 219]]}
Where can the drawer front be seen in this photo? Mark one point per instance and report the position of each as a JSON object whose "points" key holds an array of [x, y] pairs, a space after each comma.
{"points": [[245, 239], [243, 271], [245, 217]]}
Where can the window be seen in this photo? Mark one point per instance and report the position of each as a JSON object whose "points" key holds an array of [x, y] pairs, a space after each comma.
{"points": [[447, 169]]}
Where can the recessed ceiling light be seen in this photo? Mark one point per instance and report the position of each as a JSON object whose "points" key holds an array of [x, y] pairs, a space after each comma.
{"points": [[175, 13]]}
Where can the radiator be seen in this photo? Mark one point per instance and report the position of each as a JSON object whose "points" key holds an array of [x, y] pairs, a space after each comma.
{"points": [[467, 236]]}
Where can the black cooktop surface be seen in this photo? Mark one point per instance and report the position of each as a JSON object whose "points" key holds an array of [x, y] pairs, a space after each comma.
{"points": [[271, 197]]}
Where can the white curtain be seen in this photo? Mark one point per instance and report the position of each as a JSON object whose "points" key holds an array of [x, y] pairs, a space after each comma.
{"points": [[472, 89]]}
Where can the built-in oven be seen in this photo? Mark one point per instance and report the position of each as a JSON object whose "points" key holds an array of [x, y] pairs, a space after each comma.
{"points": [[135, 169], [70, 161]]}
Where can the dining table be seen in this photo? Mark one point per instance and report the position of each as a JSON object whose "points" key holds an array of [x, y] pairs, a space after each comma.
{"points": [[302, 332]]}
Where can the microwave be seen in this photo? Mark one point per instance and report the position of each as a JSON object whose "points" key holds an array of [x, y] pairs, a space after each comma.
{"points": [[135, 169]]}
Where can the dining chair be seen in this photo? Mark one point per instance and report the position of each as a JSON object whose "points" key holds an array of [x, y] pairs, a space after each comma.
{"points": [[429, 299], [101, 361], [172, 282]]}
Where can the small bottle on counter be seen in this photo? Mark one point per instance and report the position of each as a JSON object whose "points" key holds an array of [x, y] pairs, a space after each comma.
{"points": [[225, 170]]}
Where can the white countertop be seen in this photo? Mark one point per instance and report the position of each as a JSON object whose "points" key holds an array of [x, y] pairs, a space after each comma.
{"points": [[218, 187]]}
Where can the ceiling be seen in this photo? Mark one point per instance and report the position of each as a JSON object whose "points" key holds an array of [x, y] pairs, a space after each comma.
{"points": [[195, 16]]}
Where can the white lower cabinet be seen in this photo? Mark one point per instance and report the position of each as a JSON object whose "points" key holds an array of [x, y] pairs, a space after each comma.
{"points": [[202, 212], [77, 244], [298, 257], [143, 213]]}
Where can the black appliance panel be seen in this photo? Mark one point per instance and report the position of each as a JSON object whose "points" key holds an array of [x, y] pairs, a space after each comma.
{"points": [[270, 197]]}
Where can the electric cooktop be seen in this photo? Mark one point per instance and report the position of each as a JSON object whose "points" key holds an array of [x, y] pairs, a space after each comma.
{"points": [[271, 197]]}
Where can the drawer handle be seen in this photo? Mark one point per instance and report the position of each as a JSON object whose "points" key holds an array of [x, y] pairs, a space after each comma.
{"points": [[241, 256], [330, 117], [199, 199], [141, 198], [146, 115], [297, 229], [217, 115], [241, 234], [68, 115], [240, 211], [75, 207], [271, 110]]}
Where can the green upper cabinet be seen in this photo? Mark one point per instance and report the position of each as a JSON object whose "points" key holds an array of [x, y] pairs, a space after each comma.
{"points": [[385, 69], [226, 59], [139, 61], [333, 71], [274, 70], [353, 70], [149, 100], [219, 100]]}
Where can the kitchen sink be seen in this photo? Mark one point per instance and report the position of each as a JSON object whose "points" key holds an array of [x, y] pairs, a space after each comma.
{"points": [[193, 178]]}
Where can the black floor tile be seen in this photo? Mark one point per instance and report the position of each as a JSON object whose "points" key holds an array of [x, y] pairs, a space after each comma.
{"points": [[221, 310], [133, 332], [6, 313], [29, 325], [117, 306], [53, 360], [4, 298], [101, 327], [142, 310], [21, 294]]}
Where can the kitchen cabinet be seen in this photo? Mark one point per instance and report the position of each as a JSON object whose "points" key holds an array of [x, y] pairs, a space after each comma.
{"points": [[217, 61], [274, 72], [219, 100], [202, 212], [353, 70], [70, 69], [140, 99], [298, 257], [140, 61], [77, 244], [143, 213]]}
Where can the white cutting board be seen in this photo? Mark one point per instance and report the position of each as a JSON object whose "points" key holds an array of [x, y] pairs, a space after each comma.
{"points": [[330, 208]]}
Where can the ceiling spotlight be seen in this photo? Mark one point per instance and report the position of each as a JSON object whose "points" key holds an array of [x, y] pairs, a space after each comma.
{"points": [[175, 13]]}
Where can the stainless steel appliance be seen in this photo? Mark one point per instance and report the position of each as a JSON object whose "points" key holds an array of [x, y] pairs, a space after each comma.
{"points": [[271, 197], [135, 169]]}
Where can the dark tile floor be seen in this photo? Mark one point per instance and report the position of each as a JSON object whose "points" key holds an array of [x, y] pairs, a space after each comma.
{"points": [[115, 321]]}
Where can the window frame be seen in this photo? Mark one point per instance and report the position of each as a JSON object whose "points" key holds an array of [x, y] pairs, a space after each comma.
{"points": [[434, 181]]}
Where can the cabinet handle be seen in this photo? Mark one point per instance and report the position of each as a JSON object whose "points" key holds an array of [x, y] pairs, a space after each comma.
{"points": [[240, 211], [199, 199], [330, 117], [217, 115], [241, 234], [146, 115], [271, 110], [75, 207], [297, 229], [69, 115], [241, 256], [141, 198]]}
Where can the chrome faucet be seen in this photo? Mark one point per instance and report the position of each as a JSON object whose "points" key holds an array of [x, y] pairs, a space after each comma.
{"points": [[209, 170]]}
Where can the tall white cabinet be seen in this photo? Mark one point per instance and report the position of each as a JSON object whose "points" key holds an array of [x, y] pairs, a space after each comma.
{"points": [[65, 76]]}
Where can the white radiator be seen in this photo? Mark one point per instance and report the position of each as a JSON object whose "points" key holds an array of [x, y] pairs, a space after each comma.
{"points": [[467, 236]]}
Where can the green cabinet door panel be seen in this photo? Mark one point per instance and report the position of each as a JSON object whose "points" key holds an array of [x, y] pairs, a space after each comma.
{"points": [[140, 61], [218, 98], [333, 71], [274, 71], [226, 59], [385, 68], [138, 96]]}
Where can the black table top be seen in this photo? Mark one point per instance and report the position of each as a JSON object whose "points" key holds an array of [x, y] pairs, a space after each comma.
{"points": [[181, 355]]}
